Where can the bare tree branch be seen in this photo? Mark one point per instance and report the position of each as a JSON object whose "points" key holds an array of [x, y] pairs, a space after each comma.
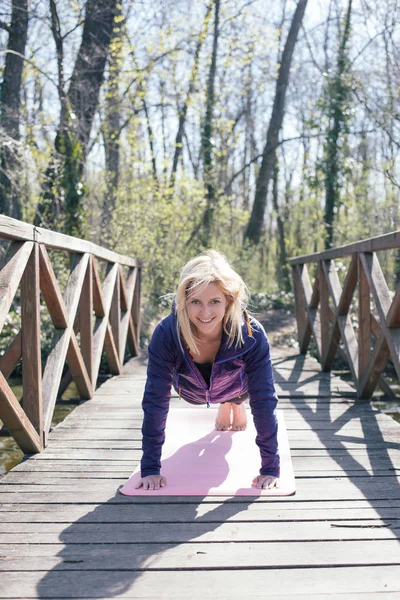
{"points": [[4, 25], [30, 62]]}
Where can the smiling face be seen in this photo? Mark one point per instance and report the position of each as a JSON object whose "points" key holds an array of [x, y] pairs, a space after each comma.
{"points": [[206, 310]]}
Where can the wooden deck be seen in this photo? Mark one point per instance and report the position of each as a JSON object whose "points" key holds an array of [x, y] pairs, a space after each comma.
{"points": [[66, 532]]}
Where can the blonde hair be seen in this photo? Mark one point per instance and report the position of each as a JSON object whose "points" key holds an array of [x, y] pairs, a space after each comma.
{"points": [[211, 267]]}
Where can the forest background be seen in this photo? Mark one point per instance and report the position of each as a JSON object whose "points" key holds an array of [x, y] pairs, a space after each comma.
{"points": [[161, 128]]}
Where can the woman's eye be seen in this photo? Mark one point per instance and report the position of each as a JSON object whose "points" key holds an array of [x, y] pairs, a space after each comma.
{"points": [[195, 301], [215, 301]]}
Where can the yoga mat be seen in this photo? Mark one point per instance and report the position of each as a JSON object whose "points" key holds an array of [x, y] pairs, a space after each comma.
{"points": [[197, 460]]}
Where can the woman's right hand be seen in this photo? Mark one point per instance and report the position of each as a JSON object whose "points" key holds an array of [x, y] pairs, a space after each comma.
{"points": [[151, 482]]}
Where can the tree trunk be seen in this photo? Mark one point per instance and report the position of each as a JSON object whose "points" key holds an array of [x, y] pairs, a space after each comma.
{"points": [[88, 73], [68, 162], [112, 126], [282, 271], [184, 107], [206, 141], [339, 92], [255, 225], [10, 100]]}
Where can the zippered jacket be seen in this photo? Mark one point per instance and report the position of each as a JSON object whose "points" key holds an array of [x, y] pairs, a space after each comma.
{"points": [[237, 371]]}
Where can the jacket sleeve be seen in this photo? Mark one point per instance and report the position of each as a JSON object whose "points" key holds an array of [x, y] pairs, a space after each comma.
{"points": [[263, 401], [156, 399]]}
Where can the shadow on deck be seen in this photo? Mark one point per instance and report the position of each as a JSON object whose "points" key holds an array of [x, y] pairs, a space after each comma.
{"points": [[67, 533]]}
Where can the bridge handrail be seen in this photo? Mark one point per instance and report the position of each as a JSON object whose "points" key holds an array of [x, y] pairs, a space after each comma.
{"points": [[323, 311], [90, 316], [13, 229], [389, 241]]}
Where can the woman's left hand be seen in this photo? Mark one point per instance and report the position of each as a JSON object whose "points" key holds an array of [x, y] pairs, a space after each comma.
{"points": [[266, 482]]}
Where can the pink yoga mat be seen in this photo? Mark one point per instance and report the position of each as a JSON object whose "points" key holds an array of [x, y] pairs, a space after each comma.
{"points": [[197, 460]]}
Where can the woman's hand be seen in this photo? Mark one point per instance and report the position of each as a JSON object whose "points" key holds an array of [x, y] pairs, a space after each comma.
{"points": [[266, 482], [151, 482]]}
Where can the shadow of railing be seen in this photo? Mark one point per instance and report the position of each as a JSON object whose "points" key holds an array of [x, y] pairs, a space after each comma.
{"points": [[382, 468]]}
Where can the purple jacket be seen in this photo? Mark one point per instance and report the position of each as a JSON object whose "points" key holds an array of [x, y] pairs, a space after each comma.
{"points": [[236, 371]]}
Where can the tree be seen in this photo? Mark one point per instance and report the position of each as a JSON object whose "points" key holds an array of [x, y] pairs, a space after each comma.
{"points": [[206, 139], [112, 123], [255, 225], [10, 101], [72, 139], [183, 109], [338, 93]]}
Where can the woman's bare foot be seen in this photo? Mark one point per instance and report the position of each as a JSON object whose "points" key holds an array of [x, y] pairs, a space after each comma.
{"points": [[239, 421], [223, 420]]}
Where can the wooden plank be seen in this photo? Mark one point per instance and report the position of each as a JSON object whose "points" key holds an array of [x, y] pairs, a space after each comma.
{"points": [[303, 325], [11, 356], [102, 302], [381, 294], [185, 554], [364, 320], [341, 321], [111, 350], [113, 332], [220, 583], [211, 512], [86, 321], [11, 273], [324, 314], [377, 283], [16, 420], [134, 320], [97, 292], [31, 347], [51, 291], [56, 358], [382, 242], [199, 530], [12, 229], [394, 311], [15, 229], [127, 290], [77, 368]]}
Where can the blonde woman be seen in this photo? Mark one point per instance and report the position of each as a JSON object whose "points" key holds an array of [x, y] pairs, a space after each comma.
{"points": [[212, 352]]}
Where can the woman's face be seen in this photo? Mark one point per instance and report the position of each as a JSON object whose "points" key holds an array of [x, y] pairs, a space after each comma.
{"points": [[206, 310]]}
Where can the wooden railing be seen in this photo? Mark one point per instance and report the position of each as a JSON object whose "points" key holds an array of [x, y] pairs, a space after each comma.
{"points": [[98, 310], [323, 311]]}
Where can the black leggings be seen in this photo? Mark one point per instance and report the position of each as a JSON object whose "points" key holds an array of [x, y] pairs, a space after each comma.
{"points": [[236, 400]]}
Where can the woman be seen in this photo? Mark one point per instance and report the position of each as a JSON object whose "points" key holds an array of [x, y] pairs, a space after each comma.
{"points": [[210, 350]]}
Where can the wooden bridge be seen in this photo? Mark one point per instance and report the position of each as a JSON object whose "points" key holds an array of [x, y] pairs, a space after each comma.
{"points": [[66, 532]]}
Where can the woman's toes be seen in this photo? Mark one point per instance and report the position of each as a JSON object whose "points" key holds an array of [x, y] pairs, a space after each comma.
{"points": [[223, 420], [239, 418]]}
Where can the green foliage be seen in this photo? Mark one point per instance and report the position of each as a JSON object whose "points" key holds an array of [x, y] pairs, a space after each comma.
{"points": [[263, 301], [71, 184]]}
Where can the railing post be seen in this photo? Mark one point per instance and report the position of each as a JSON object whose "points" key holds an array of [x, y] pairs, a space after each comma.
{"points": [[115, 317], [301, 310], [86, 321], [324, 314], [364, 323], [134, 339], [31, 355]]}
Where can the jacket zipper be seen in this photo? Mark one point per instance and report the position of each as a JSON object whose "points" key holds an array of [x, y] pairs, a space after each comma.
{"points": [[207, 390]]}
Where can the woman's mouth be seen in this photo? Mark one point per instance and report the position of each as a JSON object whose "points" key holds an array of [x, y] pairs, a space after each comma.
{"points": [[205, 321]]}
